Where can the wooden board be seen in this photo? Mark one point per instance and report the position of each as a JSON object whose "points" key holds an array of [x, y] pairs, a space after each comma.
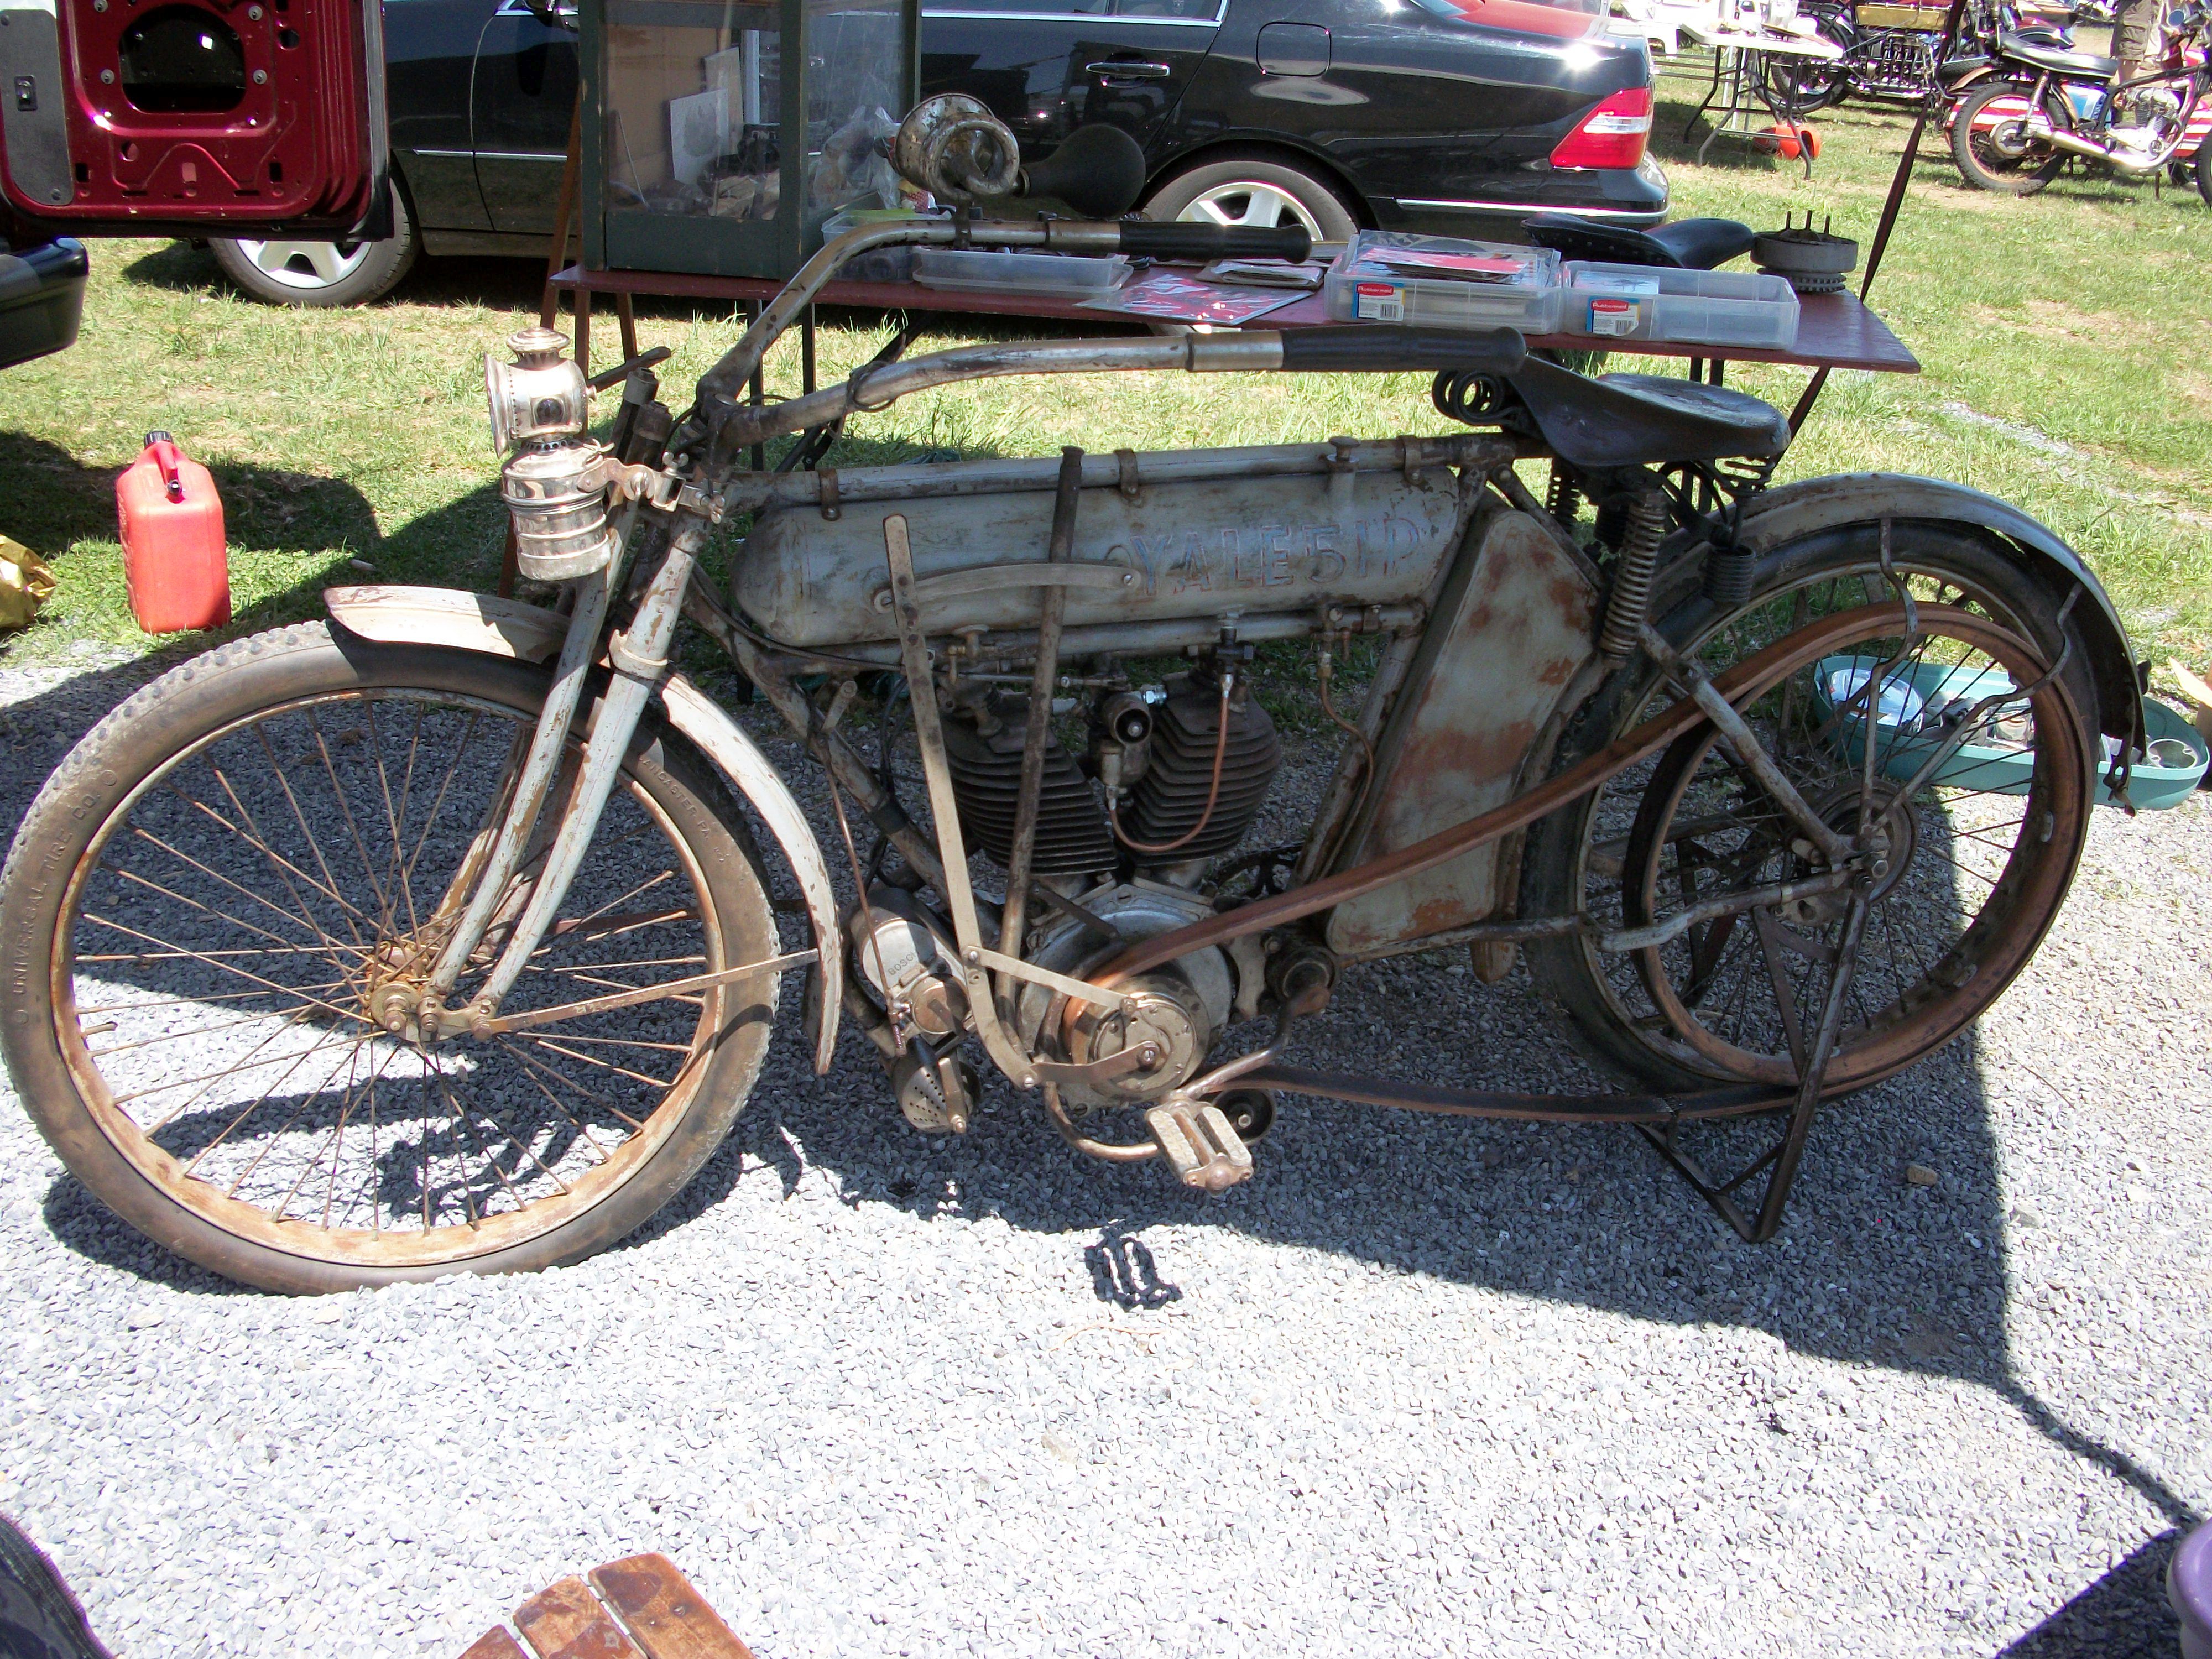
{"points": [[565, 1621], [494, 1643], [669, 1620]]}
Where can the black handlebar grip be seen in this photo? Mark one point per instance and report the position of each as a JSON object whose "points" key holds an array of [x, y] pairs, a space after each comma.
{"points": [[1179, 242], [1388, 349]]}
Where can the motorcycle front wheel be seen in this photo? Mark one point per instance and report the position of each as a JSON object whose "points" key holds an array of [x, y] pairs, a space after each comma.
{"points": [[206, 900], [1993, 152]]}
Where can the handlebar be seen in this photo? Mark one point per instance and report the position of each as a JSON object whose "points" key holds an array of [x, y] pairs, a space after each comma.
{"points": [[1181, 241]]}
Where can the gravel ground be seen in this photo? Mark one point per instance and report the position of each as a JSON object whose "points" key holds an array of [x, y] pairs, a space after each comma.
{"points": [[1421, 1387]]}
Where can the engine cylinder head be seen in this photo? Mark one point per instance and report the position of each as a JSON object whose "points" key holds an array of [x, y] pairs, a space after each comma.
{"points": [[1170, 797]]}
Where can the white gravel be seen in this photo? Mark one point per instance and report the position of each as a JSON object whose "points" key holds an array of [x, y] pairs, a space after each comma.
{"points": [[1420, 1387]]}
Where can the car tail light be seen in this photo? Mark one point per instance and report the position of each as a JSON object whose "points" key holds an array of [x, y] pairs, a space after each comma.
{"points": [[1610, 136]]}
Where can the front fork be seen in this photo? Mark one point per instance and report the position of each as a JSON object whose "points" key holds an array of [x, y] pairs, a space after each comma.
{"points": [[638, 657]]}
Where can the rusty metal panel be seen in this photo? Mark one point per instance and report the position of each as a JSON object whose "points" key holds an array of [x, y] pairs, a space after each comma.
{"points": [[668, 1618], [565, 1621], [1514, 623], [1198, 550]]}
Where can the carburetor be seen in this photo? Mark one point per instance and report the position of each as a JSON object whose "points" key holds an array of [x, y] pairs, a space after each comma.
{"points": [[554, 480]]}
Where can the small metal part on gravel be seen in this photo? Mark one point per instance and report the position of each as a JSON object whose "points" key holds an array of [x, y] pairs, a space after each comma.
{"points": [[1421, 1387]]}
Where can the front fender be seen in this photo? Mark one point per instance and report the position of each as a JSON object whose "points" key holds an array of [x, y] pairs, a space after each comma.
{"points": [[1782, 515], [723, 742], [530, 633]]}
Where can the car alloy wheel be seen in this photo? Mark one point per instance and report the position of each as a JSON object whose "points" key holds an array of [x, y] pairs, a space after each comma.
{"points": [[306, 265], [1250, 203]]}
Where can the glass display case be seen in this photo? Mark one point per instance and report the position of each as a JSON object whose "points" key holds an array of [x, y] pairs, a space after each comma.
{"points": [[719, 134]]}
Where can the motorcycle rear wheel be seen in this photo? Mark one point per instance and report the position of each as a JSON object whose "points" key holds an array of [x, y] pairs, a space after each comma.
{"points": [[1987, 160], [1643, 1015], [205, 901], [2205, 171]]}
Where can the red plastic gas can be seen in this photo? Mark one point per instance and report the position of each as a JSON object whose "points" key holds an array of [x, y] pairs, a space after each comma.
{"points": [[175, 566]]}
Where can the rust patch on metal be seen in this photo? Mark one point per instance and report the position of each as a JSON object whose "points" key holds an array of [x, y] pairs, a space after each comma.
{"points": [[1519, 629]]}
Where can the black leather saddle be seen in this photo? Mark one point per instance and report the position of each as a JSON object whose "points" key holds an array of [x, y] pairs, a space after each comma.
{"points": [[2031, 49], [1685, 245], [1642, 419]]}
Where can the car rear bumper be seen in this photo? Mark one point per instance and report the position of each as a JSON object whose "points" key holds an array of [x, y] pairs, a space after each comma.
{"points": [[41, 298], [1636, 197]]}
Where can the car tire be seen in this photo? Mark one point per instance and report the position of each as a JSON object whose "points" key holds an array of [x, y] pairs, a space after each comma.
{"points": [[1254, 190], [296, 273]]}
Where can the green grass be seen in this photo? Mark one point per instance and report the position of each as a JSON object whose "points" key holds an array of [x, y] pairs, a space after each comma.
{"points": [[2063, 337]]}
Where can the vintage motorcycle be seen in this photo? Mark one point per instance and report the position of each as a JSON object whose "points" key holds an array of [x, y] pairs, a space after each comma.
{"points": [[2024, 109], [1894, 53], [442, 936]]}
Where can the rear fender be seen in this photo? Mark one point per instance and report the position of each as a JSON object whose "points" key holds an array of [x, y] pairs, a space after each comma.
{"points": [[530, 633], [1783, 515]]}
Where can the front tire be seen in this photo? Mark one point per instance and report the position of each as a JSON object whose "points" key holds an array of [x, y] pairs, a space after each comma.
{"points": [[205, 902], [2204, 171], [322, 274], [1996, 155], [1256, 191]]}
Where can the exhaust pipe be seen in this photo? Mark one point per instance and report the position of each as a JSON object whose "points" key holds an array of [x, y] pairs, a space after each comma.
{"points": [[2081, 146]]}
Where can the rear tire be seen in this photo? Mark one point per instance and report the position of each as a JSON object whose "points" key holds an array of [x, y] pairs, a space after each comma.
{"points": [[1256, 191], [192, 1014], [1565, 871], [1993, 159], [2204, 171]]}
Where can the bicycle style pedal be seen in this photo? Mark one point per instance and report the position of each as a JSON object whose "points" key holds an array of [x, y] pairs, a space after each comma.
{"points": [[1200, 1145]]}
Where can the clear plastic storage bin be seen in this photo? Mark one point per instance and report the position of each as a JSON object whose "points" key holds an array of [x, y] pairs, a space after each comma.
{"points": [[981, 270], [1394, 277], [880, 264], [1691, 307]]}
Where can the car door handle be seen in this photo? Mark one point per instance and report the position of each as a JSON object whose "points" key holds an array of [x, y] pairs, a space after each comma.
{"points": [[1129, 70]]}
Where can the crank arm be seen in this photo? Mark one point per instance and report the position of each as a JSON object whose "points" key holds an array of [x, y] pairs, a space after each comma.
{"points": [[1141, 1057], [675, 987]]}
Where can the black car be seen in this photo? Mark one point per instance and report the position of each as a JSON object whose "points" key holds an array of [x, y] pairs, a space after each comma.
{"points": [[1452, 115]]}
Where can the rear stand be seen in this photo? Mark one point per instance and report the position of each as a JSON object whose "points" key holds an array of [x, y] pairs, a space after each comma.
{"points": [[1780, 1161]]}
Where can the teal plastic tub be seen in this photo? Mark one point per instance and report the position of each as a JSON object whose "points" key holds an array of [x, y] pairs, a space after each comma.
{"points": [[1907, 697]]}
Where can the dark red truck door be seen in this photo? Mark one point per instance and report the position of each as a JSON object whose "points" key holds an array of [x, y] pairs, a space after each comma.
{"points": [[188, 116]]}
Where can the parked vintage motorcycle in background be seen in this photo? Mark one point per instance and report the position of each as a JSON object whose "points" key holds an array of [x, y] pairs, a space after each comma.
{"points": [[2028, 106], [443, 936]]}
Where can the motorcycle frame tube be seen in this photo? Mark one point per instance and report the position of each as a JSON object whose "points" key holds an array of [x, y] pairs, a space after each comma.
{"points": [[872, 391], [645, 645], [921, 480], [579, 648], [723, 381]]}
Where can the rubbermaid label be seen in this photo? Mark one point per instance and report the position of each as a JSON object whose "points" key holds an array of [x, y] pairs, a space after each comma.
{"points": [[1614, 316], [1378, 302]]}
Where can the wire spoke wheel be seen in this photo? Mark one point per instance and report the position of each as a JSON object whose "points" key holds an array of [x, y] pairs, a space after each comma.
{"points": [[1968, 868], [241, 922]]}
